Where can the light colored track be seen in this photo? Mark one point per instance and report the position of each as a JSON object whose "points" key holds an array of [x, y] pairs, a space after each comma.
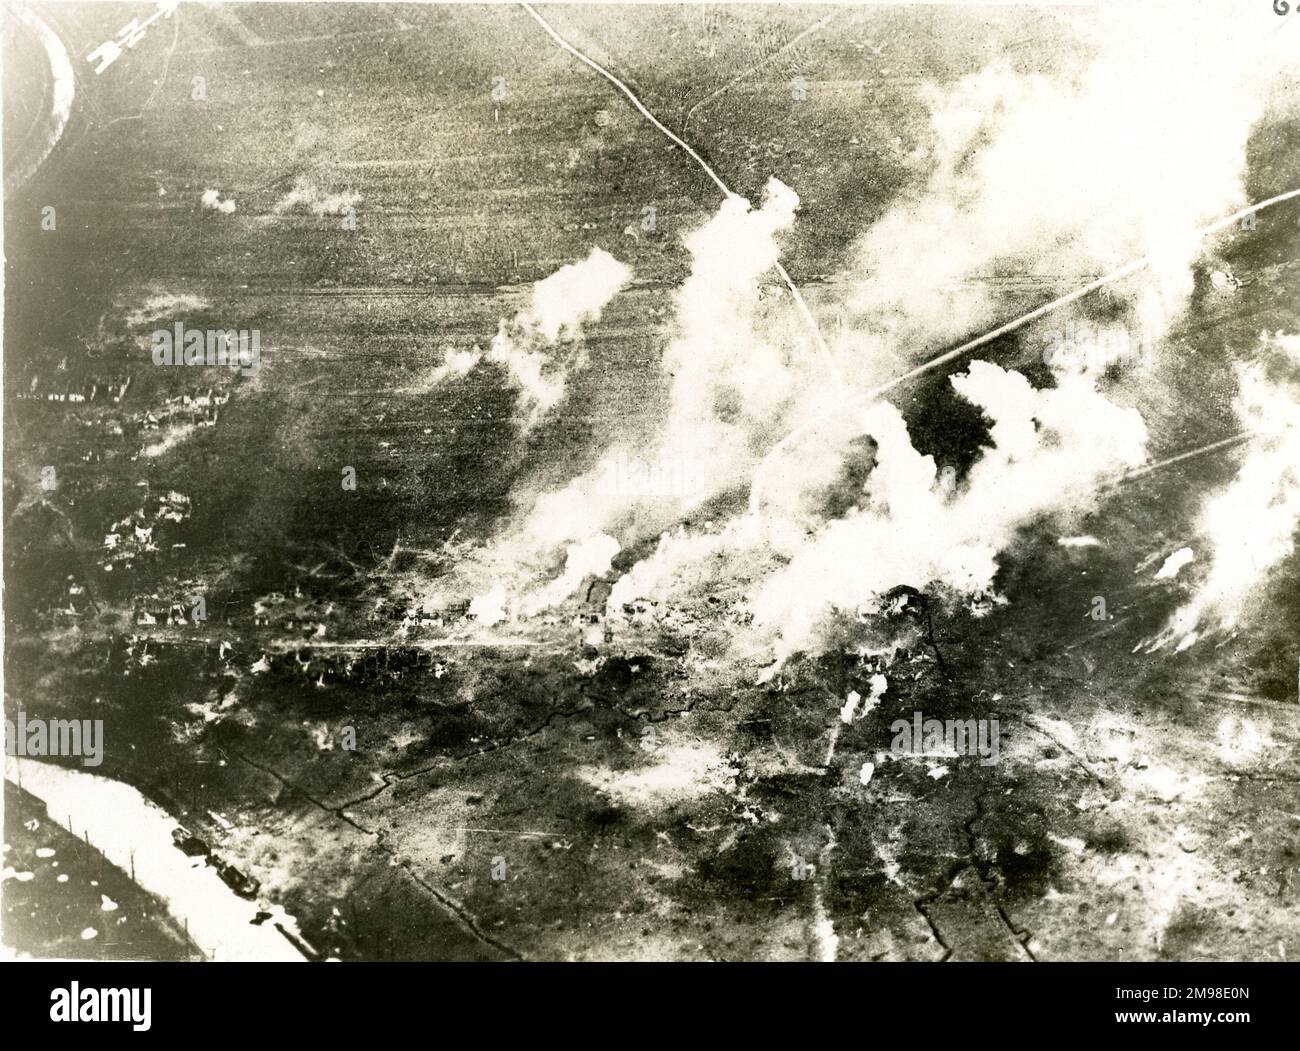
{"points": [[816, 27], [1222, 443], [799, 302]]}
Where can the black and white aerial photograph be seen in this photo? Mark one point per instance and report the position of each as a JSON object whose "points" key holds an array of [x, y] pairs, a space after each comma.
{"points": [[651, 482]]}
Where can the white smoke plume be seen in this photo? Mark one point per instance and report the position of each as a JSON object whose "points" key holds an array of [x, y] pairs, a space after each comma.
{"points": [[489, 608], [561, 304], [454, 363], [1251, 525], [1050, 448], [307, 196], [575, 294], [213, 201], [588, 558], [731, 375], [681, 559], [524, 346], [1059, 173]]}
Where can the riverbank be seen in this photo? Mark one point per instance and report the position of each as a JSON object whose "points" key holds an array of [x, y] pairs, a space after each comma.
{"points": [[136, 836]]}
